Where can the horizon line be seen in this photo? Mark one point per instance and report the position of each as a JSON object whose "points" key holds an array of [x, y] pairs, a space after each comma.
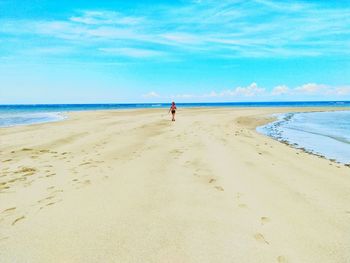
{"points": [[151, 103]]}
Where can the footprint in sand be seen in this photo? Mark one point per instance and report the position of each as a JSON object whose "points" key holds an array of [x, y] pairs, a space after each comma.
{"points": [[49, 204], [18, 219], [26, 149], [176, 151], [282, 259], [26, 170], [87, 182], [242, 206], [264, 220], [238, 196], [212, 180], [50, 175], [3, 238], [82, 184], [86, 163], [46, 199], [8, 210], [260, 238], [57, 191], [219, 188], [4, 187]]}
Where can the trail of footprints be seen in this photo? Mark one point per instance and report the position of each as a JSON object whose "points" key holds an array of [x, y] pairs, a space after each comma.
{"points": [[203, 173], [26, 174], [14, 215], [11, 177], [22, 174], [259, 237]]}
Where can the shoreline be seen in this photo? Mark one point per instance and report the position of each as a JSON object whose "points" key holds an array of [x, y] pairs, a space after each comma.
{"points": [[280, 110], [65, 109], [289, 142], [271, 119], [135, 187]]}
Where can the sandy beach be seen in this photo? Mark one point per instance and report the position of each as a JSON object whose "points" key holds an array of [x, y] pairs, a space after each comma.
{"points": [[132, 186]]}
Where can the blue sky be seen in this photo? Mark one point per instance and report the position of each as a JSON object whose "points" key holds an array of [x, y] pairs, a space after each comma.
{"points": [[154, 51]]}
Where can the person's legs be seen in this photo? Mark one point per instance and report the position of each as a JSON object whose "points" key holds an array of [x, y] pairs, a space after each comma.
{"points": [[173, 117]]}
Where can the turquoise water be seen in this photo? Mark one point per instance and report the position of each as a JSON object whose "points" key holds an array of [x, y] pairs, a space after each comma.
{"points": [[323, 133], [13, 115]]}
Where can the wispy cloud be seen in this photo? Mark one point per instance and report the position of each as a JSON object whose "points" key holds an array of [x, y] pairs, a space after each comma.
{"points": [[311, 88], [151, 94], [47, 51], [249, 91], [259, 28], [105, 18], [132, 52], [280, 90]]}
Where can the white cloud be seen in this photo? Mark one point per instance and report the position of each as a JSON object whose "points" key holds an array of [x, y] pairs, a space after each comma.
{"points": [[249, 91], [280, 90], [184, 96], [342, 91], [212, 94], [311, 88], [151, 94]]}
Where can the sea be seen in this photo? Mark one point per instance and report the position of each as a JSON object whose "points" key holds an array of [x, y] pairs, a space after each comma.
{"points": [[323, 133]]}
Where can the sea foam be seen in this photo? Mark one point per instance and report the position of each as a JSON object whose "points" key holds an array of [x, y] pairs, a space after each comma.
{"points": [[322, 133]]}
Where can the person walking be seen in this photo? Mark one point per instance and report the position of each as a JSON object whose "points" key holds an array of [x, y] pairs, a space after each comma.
{"points": [[173, 110]]}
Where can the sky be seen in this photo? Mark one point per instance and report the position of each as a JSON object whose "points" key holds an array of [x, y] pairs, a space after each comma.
{"points": [[116, 51]]}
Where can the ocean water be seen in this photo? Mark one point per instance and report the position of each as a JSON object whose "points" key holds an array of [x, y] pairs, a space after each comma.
{"points": [[16, 119], [322, 133], [14, 115]]}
